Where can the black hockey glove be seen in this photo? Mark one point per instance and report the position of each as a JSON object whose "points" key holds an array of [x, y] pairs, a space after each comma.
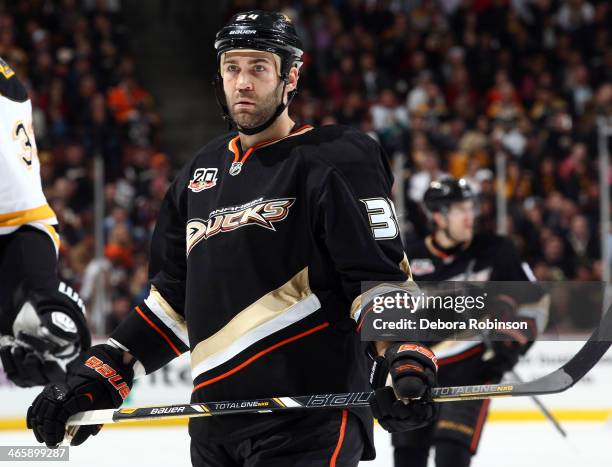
{"points": [[506, 346], [26, 367], [406, 405], [98, 379], [47, 334]]}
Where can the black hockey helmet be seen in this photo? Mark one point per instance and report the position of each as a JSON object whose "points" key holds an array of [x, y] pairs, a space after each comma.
{"points": [[442, 193], [264, 31]]}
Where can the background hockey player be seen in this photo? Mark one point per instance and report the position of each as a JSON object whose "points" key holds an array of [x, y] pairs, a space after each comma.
{"points": [[454, 252], [258, 256], [42, 321]]}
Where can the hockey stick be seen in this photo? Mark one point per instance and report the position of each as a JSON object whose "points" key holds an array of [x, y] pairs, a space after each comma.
{"points": [[557, 381]]}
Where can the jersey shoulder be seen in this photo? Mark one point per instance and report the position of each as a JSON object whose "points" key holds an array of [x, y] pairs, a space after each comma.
{"points": [[350, 151], [327, 142], [416, 249], [10, 87], [214, 149], [421, 260], [210, 154], [505, 258], [485, 242], [499, 251]]}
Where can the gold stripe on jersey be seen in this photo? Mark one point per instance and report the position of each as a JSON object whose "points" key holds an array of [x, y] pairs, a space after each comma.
{"points": [[54, 236], [165, 306], [268, 307], [405, 266], [462, 343], [455, 426], [409, 286], [12, 219]]}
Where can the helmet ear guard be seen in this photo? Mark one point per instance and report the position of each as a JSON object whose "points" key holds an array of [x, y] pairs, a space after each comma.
{"points": [[266, 32]]}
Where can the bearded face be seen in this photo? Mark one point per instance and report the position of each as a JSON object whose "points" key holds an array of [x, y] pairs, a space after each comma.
{"points": [[258, 110], [253, 89]]}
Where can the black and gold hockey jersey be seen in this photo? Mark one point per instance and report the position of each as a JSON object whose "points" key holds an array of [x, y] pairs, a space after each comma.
{"points": [[258, 259], [487, 258]]}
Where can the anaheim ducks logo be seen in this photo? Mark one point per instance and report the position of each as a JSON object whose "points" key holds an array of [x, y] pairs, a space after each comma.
{"points": [[263, 213]]}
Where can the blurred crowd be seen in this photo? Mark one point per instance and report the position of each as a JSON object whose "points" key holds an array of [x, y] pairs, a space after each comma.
{"points": [[455, 85], [74, 58], [447, 87]]}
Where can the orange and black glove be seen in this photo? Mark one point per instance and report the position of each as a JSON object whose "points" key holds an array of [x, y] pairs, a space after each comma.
{"points": [[98, 379], [407, 404]]}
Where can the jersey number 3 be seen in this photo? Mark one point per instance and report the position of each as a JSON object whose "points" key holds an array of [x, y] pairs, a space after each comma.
{"points": [[383, 221], [22, 134]]}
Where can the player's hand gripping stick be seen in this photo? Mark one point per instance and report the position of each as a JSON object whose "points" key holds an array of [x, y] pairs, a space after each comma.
{"points": [[97, 380], [406, 404]]}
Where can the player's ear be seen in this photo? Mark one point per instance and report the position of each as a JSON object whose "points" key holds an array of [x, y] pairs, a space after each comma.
{"points": [[438, 220], [294, 75]]}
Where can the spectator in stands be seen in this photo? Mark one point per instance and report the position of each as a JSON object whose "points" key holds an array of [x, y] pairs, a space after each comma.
{"points": [[428, 170], [390, 121]]}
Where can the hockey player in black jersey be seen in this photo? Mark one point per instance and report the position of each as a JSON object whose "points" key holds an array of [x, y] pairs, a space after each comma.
{"points": [[42, 321], [258, 256], [454, 253]]}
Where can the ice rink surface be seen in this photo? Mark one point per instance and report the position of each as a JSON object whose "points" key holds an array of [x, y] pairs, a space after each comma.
{"points": [[503, 445]]}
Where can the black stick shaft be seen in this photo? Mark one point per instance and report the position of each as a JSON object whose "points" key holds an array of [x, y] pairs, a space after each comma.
{"points": [[557, 381]]}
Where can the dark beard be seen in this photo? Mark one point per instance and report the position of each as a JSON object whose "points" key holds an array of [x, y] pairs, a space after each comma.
{"points": [[262, 114]]}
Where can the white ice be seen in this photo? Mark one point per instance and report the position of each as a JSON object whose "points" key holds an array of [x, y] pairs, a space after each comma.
{"points": [[503, 445]]}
